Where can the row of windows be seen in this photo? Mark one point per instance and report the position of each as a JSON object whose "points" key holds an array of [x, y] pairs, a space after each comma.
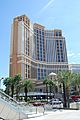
{"points": [[40, 53], [60, 50], [49, 34], [39, 38], [42, 65], [59, 41], [58, 34], [60, 53], [27, 71], [60, 59], [41, 73], [41, 44], [38, 31], [41, 59], [49, 37]]}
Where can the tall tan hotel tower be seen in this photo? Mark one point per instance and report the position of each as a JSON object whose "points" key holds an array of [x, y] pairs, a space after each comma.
{"points": [[34, 51]]}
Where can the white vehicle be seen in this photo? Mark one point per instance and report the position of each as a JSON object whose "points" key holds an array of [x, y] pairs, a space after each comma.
{"points": [[55, 101], [78, 100]]}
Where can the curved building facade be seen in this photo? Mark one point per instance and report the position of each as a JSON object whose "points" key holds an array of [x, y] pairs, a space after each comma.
{"points": [[35, 52]]}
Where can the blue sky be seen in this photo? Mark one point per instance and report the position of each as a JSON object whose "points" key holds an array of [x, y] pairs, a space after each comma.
{"points": [[60, 14]]}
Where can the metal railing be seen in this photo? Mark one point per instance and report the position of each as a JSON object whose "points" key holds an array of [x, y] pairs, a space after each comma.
{"points": [[12, 103], [28, 110]]}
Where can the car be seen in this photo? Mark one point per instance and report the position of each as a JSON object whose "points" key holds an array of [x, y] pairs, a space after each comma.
{"points": [[38, 104], [78, 100], [55, 101]]}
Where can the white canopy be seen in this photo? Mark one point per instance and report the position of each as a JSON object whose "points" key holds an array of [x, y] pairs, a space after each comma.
{"points": [[52, 74]]}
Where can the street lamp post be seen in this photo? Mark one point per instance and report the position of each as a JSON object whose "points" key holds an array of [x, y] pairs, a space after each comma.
{"points": [[0, 81]]}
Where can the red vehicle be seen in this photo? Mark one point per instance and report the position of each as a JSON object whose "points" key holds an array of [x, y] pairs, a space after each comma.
{"points": [[75, 97], [38, 104]]}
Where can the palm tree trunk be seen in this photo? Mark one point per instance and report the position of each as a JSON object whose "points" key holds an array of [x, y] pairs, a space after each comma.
{"points": [[67, 94], [47, 92], [64, 96], [50, 91], [17, 94], [12, 90], [76, 89], [7, 90], [26, 94], [79, 89]]}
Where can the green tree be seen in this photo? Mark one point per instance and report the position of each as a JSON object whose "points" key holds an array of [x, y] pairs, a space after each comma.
{"points": [[51, 84], [9, 83], [65, 78], [46, 82], [17, 80], [6, 82], [28, 85], [12, 85], [76, 82]]}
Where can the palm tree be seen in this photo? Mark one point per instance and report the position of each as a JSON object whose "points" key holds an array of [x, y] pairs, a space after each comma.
{"points": [[27, 84], [6, 82], [60, 77], [9, 83], [76, 82], [51, 84], [65, 77], [17, 80], [46, 82], [12, 85], [79, 82]]}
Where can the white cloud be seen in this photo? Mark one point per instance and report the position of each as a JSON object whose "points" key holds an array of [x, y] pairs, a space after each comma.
{"points": [[73, 57], [70, 54], [46, 6], [73, 63]]}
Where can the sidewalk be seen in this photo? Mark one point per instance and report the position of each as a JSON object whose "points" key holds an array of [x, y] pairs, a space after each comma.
{"points": [[58, 115]]}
